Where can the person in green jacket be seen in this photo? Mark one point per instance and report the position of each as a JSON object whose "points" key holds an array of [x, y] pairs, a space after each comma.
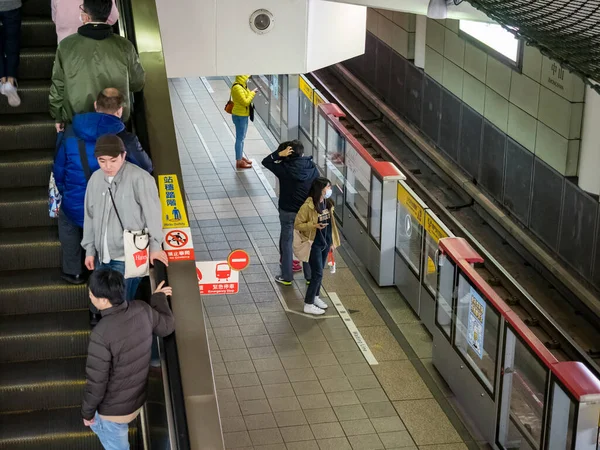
{"points": [[242, 102], [89, 61]]}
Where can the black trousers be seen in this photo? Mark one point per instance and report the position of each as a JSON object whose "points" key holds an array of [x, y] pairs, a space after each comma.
{"points": [[10, 42], [70, 236], [317, 262]]}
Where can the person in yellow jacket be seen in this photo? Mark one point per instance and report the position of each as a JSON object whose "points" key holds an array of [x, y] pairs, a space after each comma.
{"points": [[315, 221], [242, 102]]}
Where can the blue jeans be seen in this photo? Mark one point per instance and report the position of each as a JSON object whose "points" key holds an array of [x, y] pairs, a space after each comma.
{"points": [[10, 42], [317, 262], [113, 436], [241, 128], [131, 284], [286, 239]]}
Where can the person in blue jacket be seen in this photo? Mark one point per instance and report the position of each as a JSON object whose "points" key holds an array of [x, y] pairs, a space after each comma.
{"points": [[296, 173], [72, 173]]}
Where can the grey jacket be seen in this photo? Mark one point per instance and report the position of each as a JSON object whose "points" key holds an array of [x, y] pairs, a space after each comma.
{"points": [[138, 205], [9, 5]]}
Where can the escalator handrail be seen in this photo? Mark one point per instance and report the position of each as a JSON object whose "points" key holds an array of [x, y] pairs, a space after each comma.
{"points": [[173, 385]]}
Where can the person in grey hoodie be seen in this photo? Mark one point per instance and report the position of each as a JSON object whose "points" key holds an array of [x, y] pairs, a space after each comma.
{"points": [[10, 49], [137, 207]]}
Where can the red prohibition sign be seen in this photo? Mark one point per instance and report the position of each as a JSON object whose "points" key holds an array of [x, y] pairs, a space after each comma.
{"points": [[238, 260], [176, 238]]}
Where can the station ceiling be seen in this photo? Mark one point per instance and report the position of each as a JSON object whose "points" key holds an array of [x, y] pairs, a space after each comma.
{"points": [[567, 31]]}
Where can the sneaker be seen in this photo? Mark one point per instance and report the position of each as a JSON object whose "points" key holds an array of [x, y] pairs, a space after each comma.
{"points": [[10, 91], [307, 282], [320, 303], [280, 280], [312, 309], [296, 267]]}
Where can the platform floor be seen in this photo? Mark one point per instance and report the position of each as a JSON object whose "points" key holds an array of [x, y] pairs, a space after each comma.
{"points": [[285, 380]]}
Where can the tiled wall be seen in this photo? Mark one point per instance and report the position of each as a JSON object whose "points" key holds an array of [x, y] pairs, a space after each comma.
{"points": [[395, 28], [516, 134], [540, 107]]}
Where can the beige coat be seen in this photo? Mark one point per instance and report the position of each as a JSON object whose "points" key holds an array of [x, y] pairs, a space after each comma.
{"points": [[307, 217]]}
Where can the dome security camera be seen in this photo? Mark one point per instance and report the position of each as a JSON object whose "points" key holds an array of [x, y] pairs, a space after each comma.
{"points": [[261, 21]]}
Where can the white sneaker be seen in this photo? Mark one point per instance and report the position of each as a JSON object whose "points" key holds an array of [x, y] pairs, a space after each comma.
{"points": [[320, 303], [312, 309], [10, 91]]}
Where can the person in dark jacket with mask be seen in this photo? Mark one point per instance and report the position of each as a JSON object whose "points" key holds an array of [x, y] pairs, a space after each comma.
{"points": [[71, 178], [296, 173], [119, 355]]}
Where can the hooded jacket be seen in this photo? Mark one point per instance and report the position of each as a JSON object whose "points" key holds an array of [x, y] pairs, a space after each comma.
{"points": [[65, 14], [241, 96], [136, 199], [295, 178], [68, 170], [119, 354], [87, 62]]}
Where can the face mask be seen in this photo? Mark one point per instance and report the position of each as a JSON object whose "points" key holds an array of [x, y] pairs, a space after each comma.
{"points": [[328, 193], [81, 18]]}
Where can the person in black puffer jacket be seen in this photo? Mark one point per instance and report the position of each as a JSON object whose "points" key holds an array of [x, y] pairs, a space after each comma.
{"points": [[296, 174], [119, 356]]}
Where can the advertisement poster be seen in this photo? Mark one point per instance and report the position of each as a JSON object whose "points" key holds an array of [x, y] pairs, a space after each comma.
{"points": [[476, 324]]}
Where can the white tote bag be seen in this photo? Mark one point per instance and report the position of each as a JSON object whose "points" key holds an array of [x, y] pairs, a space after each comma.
{"points": [[136, 243], [137, 258], [301, 246]]}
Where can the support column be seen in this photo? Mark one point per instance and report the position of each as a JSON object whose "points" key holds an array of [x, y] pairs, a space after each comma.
{"points": [[420, 37], [589, 152]]}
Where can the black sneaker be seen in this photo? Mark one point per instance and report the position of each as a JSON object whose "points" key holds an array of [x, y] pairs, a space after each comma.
{"points": [[280, 280], [73, 279], [94, 319]]}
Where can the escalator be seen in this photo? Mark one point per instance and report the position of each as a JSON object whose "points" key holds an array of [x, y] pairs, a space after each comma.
{"points": [[43, 320]]}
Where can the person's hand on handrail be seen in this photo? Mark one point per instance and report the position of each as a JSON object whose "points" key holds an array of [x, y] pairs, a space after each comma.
{"points": [[167, 290]]}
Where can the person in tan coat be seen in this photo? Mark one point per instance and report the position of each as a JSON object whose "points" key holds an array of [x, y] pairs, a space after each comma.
{"points": [[316, 223]]}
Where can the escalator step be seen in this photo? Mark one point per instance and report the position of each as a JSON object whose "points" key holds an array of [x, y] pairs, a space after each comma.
{"points": [[36, 8], [39, 291], [34, 98], [27, 131], [38, 32], [47, 384], [25, 168], [36, 63], [35, 337], [25, 207], [55, 429], [29, 248]]}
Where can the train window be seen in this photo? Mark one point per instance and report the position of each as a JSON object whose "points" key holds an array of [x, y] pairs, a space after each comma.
{"points": [[523, 396], [358, 186], [476, 338], [336, 169], [375, 218], [443, 304]]}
